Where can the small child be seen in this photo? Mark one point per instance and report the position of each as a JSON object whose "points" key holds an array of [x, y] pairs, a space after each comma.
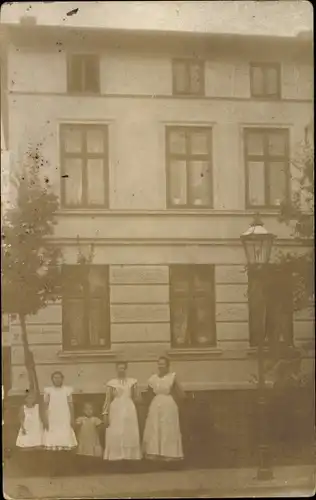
{"points": [[31, 431], [88, 437]]}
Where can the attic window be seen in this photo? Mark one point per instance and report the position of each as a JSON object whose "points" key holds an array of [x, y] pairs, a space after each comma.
{"points": [[83, 73]]}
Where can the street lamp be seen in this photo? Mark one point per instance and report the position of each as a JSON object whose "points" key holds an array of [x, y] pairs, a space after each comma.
{"points": [[257, 243]]}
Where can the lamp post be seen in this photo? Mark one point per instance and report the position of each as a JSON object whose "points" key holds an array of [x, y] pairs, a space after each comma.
{"points": [[257, 243]]}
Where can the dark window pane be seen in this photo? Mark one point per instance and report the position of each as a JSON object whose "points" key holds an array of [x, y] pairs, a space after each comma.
{"points": [[180, 322], [75, 83], [199, 142], [180, 278], [256, 183], [200, 183], [97, 281], [96, 181], [203, 329], [73, 181], [255, 143], [178, 182], [277, 144], [97, 325], [95, 140], [257, 81], [272, 82], [189, 167], [180, 77], [277, 182], [84, 165], [73, 322], [74, 278], [265, 81], [91, 75], [196, 75], [192, 306], [177, 142], [202, 279], [72, 137]]}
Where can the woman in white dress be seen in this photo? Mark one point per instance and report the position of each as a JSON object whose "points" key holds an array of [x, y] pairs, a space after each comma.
{"points": [[120, 417], [162, 436], [59, 433]]}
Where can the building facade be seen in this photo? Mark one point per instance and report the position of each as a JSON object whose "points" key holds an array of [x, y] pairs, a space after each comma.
{"points": [[160, 146]]}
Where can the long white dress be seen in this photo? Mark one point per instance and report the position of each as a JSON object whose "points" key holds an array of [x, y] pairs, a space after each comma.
{"points": [[162, 436], [33, 426], [122, 435], [60, 434]]}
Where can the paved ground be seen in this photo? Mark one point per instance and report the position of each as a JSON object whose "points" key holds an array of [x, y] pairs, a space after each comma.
{"points": [[221, 483]]}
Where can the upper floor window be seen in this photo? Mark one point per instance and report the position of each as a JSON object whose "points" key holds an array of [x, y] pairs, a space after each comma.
{"points": [[265, 80], [267, 167], [270, 308], [188, 77], [189, 167], [84, 165], [85, 307], [192, 304], [83, 73]]}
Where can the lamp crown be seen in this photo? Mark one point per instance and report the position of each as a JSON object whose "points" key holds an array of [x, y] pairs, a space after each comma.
{"points": [[257, 221]]}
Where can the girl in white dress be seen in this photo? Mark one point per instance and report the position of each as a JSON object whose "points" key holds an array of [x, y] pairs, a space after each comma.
{"points": [[120, 417], [31, 431], [162, 436], [59, 434]]}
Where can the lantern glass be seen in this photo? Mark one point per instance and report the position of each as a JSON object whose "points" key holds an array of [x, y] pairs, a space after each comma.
{"points": [[257, 243], [258, 250]]}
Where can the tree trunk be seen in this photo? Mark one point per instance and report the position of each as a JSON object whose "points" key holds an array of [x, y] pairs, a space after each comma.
{"points": [[29, 358]]}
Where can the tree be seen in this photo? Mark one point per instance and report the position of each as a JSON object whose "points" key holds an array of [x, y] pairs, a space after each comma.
{"points": [[295, 269], [30, 271], [299, 214]]}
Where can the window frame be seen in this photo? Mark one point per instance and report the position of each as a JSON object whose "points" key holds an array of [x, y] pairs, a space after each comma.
{"points": [[84, 156], [70, 81], [189, 270], [188, 157], [266, 159], [271, 270], [265, 66], [187, 62], [86, 299]]}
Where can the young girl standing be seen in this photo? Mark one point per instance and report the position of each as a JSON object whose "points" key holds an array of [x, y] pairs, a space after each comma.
{"points": [[31, 428], [88, 437], [89, 447], [59, 434]]}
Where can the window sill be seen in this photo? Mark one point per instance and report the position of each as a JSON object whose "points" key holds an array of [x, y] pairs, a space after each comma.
{"points": [[83, 93], [266, 97], [195, 353], [88, 354], [169, 211]]}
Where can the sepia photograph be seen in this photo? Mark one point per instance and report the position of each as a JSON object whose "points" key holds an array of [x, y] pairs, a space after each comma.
{"points": [[157, 249]]}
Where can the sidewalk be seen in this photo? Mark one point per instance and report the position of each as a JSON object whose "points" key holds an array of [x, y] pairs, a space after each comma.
{"points": [[214, 483]]}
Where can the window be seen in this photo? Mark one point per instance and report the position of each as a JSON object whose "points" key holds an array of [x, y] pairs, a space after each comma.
{"points": [[192, 303], [278, 298], [84, 164], [188, 77], [85, 307], [267, 167], [189, 167], [83, 73], [265, 81], [5, 322]]}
